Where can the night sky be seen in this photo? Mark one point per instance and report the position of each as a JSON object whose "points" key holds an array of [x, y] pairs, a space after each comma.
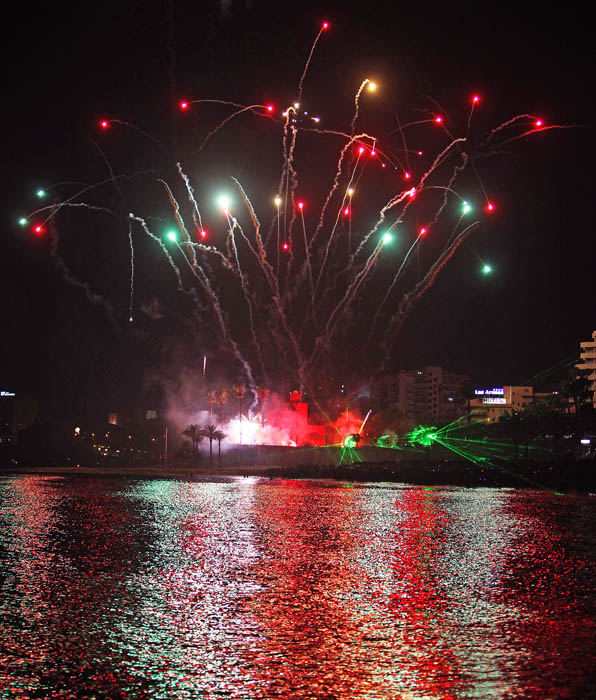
{"points": [[67, 67]]}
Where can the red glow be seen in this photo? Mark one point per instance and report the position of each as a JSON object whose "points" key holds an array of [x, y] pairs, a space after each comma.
{"points": [[203, 233], [538, 123], [325, 25], [490, 206], [104, 124], [286, 246], [38, 229], [422, 231], [420, 153], [407, 175], [412, 193], [183, 104], [270, 108], [438, 119], [475, 99], [373, 152], [347, 211], [300, 205], [361, 149], [383, 165]]}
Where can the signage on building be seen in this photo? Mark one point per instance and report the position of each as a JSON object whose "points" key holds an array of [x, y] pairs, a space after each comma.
{"points": [[490, 392], [493, 399]]}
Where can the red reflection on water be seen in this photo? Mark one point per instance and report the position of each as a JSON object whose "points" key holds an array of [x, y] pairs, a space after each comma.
{"points": [[429, 663], [314, 612], [549, 579]]}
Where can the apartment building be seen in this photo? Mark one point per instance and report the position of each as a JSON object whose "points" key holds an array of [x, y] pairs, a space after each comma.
{"points": [[587, 364]]}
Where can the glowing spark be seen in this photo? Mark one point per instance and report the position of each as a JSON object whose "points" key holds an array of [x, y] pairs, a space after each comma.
{"points": [[286, 246], [350, 191], [438, 119], [223, 202], [407, 175], [23, 221], [38, 229], [172, 236], [347, 211], [325, 25], [423, 231], [412, 193], [270, 108], [361, 149], [476, 99], [538, 123], [372, 86], [487, 269], [490, 206], [183, 104], [277, 201], [387, 238], [300, 205], [104, 123], [203, 233], [373, 152], [40, 193], [466, 208]]}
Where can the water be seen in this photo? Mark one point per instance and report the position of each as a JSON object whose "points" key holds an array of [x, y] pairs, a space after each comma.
{"points": [[116, 588]]}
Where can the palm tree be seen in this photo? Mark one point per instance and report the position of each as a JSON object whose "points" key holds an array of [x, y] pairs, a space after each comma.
{"points": [[239, 391], [195, 433], [222, 400], [262, 393], [210, 432], [219, 436], [211, 398]]}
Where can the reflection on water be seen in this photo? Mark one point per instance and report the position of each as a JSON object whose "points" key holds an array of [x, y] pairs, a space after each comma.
{"points": [[293, 589]]}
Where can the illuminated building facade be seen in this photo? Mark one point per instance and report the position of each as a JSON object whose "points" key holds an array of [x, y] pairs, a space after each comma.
{"points": [[492, 403], [430, 391], [587, 365]]}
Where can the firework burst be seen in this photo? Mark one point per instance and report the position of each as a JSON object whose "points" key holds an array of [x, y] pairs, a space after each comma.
{"points": [[307, 271]]}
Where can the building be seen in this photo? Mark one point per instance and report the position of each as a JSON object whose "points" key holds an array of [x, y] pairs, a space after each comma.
{"points": [[7, 412], [430, 391], [587, 365], [491, 404]]}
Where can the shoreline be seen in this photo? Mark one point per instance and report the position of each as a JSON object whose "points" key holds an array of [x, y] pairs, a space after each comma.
{"points": [[573, 476]]}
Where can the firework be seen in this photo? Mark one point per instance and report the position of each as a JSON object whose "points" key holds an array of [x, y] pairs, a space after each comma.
{"points": [[287, 298]]}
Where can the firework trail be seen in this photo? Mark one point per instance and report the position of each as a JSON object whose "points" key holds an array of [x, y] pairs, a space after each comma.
{"points": [[280, 305]]}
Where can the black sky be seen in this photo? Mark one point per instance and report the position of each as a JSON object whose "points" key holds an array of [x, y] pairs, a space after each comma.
{"points": [[67, 66]]}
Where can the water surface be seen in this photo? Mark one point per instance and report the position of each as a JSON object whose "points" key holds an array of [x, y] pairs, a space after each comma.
{"points": [[113, 587]]}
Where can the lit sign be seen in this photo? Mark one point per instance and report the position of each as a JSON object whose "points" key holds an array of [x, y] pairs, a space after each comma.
{"points": [[493, 399], [489, 392], [7, 393]]}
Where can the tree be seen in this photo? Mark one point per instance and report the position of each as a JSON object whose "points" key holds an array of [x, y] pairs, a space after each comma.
{"points": [[222, 400], [195, 433], [262, 393], [219, 436], [211, 433], [239, 391], [211, 398]]}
